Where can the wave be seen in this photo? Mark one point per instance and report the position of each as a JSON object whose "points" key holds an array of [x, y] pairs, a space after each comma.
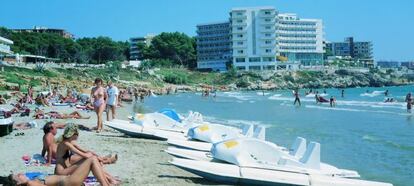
{"points": [[352, 109], [372, 104], [237, 95], [262, 93], [373, 94], [388, 143]]}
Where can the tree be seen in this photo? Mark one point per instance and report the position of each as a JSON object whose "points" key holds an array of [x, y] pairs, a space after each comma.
{"points": [[174, 46]]}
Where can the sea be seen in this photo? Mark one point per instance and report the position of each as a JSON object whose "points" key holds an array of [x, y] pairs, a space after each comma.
{"points": [[362, 132]]}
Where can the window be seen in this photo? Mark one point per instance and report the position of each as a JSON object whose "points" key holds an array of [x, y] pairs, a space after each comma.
{"points": [[254, 59], [268, 50], [268, 35], [241, 68], [267, 20], [268, 42], [268, 59], [267, 27], [239, 21], [240, 60], [240, 51], [240, 43], [239, 28], [267, 13], [254, 68], [240, 35], [239, 13]]}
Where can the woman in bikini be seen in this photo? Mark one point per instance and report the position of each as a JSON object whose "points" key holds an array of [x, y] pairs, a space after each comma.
{"points": [[70, 156], [99, 96], [76, 178]]}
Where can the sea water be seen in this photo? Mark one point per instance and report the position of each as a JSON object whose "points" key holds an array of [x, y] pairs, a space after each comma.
{"points": [[361, 133]]}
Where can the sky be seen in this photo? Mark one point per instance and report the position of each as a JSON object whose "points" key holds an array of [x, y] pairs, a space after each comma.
{"points": [[388, 24]]}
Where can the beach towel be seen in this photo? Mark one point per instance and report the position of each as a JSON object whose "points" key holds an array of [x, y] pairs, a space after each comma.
{"points": [[61, 104], [89, 181]]}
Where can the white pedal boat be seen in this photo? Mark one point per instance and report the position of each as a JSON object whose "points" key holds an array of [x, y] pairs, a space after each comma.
{"points": [[250, 152], [203, 136], [152, 125], [234, 174]]}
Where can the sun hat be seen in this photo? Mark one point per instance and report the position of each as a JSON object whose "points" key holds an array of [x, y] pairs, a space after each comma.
{"points": [[70, 130]]}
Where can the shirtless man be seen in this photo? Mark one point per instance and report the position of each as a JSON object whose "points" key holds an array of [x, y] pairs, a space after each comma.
{"points": [[49, 145]]}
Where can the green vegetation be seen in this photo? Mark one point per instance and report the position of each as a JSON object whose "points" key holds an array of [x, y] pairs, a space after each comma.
{"points": [[171, 49], [85, 50]]}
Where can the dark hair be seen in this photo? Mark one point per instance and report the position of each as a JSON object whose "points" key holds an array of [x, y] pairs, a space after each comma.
{"points": [[8, 181], [98, 80], [48, 126]]}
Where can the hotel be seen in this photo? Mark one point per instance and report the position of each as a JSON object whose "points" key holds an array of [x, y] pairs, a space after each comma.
{"points": [[134, 53], [263, 39], [213, 46]]}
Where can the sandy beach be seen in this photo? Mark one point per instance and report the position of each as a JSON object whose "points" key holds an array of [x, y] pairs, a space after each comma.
{"points": [[141, 161]]}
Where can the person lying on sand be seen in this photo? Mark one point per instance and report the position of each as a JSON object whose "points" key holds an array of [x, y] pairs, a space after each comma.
{"points": [[41, 100], [39, 114], [91, 164], [66, 163], [23, 126], [19, 107]]}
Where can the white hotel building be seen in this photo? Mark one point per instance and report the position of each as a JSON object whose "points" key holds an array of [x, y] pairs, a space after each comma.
{"points": [[263, 39]]}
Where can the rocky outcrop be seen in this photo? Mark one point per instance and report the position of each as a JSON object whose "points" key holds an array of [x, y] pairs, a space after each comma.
{"points": [[316, 79]]}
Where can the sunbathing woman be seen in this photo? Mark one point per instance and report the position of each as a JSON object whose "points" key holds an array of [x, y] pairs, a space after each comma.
{"points": [[99, 96], [66, 163], [41, 100], [76, 178], [39, 114]]}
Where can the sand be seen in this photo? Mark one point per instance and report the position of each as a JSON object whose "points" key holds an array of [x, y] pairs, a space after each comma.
{"points": [[141, 161]]}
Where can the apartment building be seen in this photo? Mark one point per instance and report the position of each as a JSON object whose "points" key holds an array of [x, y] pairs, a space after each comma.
{"points": [[263, 39], [134, 53], [213, 46]]}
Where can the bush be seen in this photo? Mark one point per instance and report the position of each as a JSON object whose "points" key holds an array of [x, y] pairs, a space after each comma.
{"points": [[12, 78], [342, 72], [243, 83], [49, 73], [288, 78], [175, 78]]}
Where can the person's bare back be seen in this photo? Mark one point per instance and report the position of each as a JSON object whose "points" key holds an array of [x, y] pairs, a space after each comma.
{"points": [[49, 145]]}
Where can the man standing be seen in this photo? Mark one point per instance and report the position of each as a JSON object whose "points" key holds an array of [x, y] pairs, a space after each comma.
{"points": [[297, 99], [111, 103], [409, 101]]}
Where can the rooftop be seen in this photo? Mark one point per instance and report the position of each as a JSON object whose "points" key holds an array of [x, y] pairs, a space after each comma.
{"points": [[5, 40]]}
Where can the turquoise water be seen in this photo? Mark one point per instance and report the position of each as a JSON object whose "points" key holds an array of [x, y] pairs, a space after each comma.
{"points": [[361, 133]]}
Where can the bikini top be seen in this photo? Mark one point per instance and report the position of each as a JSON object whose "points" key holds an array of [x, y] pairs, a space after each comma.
{"points": [[98, 93]]}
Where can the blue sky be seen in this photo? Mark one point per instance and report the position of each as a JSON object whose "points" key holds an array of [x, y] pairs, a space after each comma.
{"points": [[388, 24]]}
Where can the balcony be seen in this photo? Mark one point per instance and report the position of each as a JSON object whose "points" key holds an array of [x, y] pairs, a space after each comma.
{"points": [[270, 45], [263, 15], [236, 31], [238, 24], [235, 16]]}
